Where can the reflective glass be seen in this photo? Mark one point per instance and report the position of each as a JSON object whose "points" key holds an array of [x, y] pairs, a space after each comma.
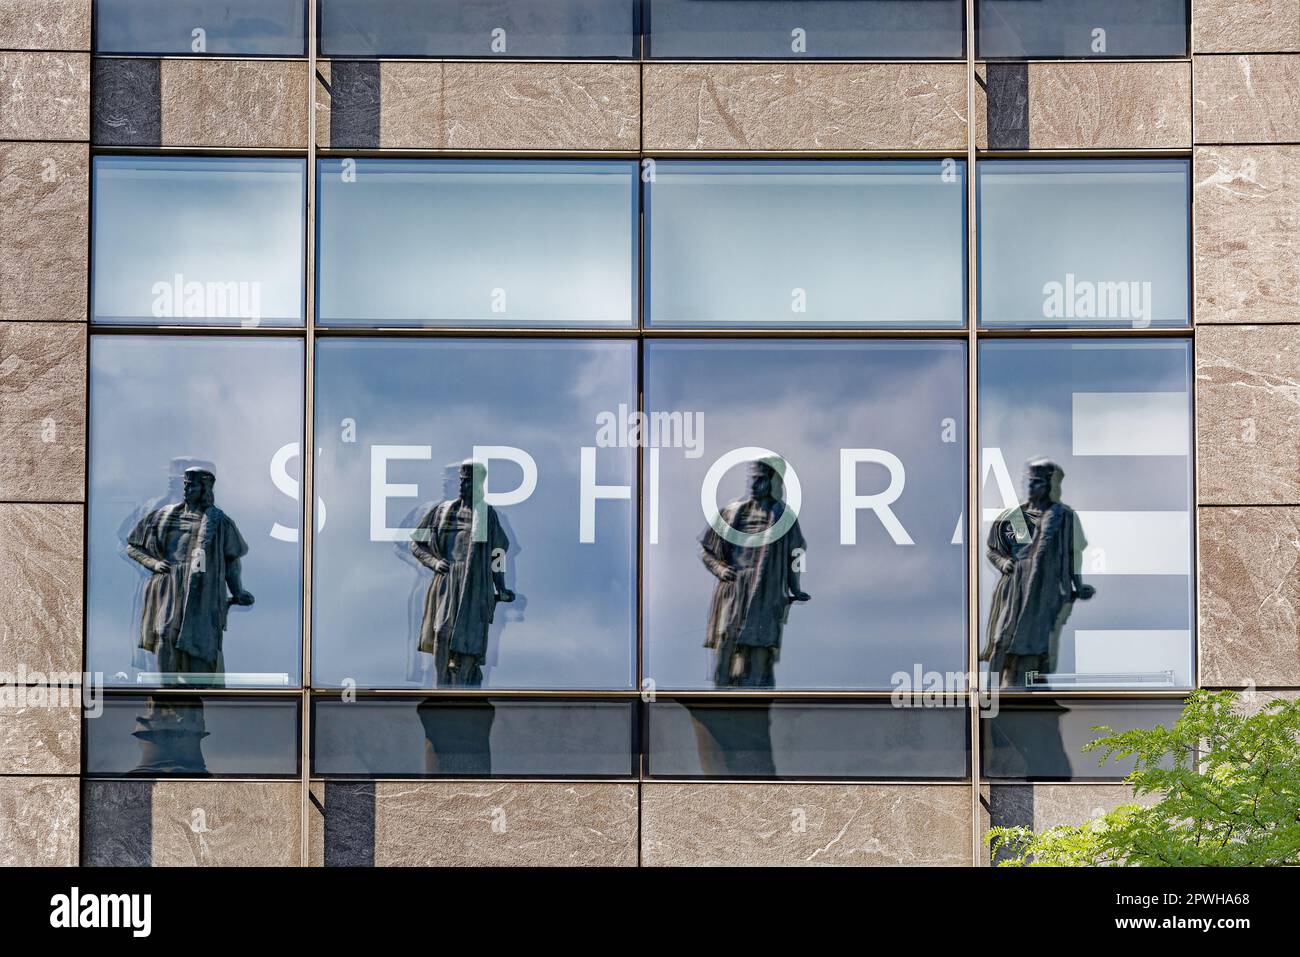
{"points": [[804, 526], [806, 243], [228, 28], [198, 240], [1080, 28], [194, 571], [1086, 498], [410, 589], [477, 242]]}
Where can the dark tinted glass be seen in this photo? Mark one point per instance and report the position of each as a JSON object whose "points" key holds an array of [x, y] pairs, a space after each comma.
{"points": [[1081, 28], [812, 29], [483, 28], [228, 28], [170, 564], [442, 737], [866, 522], [1084, 243], [805, 739], [1044, 739], [1086, 580], [395, 421], [198, 240], [806, 243], [188, 735], [477, 242]]}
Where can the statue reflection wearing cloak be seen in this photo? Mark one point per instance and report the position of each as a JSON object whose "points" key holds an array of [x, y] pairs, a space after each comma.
{"points": [[465, 549], [756, 584], [1036, 546]]}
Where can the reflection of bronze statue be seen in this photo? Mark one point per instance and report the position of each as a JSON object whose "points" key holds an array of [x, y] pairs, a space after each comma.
{"points": [[457, 736], [1036, 546], [467, 556], [756, 584], [171, 732], [193, 550]]}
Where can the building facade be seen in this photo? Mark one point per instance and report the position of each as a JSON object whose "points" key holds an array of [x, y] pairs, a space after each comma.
{"points": [[656, 357]]}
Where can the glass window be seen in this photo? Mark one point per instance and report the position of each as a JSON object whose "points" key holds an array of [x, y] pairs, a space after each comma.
{"points": [[477, 242], [1075, 243], [601, 29], [806, 243], [191, 735], [417, 438], [806, 739], [1086, 498], [198, 241], [803, 514], [1044, 739], [819, 30], [194, 571], [1081, 28], [483, 737], [228, 28]]}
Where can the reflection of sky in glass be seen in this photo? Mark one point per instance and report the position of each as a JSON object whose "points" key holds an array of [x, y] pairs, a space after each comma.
{"points": [[1098, 220], [867, 243], [240, 27], [477, 242], [208, 219], [246, 737], [691, 29], [572, 623], [435, 28], [877, 608], [1030, 406], [1049, 28], [233, 402]]}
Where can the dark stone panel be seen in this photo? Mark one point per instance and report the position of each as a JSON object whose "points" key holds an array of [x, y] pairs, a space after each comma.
{"points": [[354, 104], [1007, 89], [127, 102], [117, 824], [349, 824]]}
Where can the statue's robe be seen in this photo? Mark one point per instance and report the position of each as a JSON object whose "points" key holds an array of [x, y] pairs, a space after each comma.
{"points": [[184, 612], [1037, 553], [460, 603], [749, 612]]}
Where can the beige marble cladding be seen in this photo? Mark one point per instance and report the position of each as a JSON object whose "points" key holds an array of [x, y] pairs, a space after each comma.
{"points": [[45, 24], [1249, 597], [509, 106], [43, 411], [1245, 26], [805, 106], [44, 96], [41, 732], [241, 104], [502, 823], [1247, 239], [193, 823], [1247, 99], [44, 208], [40, 589], [1248, 415], [39, 821], [805, 824]]}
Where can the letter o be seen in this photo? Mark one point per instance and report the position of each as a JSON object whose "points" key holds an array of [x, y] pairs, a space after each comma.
{"points": [[793, 497]]}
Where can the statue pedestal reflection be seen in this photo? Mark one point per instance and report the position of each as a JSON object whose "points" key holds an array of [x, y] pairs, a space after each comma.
{"points": [[171, 732]]}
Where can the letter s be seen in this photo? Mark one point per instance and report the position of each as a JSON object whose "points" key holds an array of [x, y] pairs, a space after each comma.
{"points": [[287, 484]]}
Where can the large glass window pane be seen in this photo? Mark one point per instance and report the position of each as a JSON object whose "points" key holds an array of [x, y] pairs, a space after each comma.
{"points": [[194, 571], [806, 739], [814, 29], [804, 526], [411, 590], [1084, 243], [1081, 28], [477, 242], [806, 243], [573, 29], [228, 28], [448, 737], [198, 240], [191, 735], [1044, 740], [1086, 508]]}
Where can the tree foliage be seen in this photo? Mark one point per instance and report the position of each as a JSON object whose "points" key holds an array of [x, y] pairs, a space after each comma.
{"points": [[1227, 786]]}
